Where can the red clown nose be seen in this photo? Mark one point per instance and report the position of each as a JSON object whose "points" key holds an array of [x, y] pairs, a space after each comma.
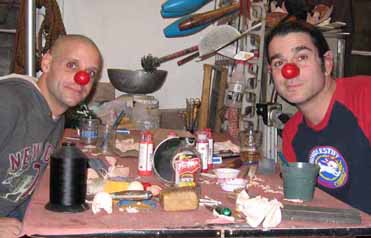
{"points": [[82, 78], [290, 71]]}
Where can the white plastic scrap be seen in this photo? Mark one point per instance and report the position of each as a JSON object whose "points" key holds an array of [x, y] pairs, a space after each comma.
{"points": [[259, 209], [102, 200], [274, 215]]}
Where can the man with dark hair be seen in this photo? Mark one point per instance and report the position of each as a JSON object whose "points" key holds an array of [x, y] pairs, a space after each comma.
{"points": [[332, 127], [32, 120]]}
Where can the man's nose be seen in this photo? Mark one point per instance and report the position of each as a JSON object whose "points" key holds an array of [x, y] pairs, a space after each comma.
{"points": [[290, 70]]}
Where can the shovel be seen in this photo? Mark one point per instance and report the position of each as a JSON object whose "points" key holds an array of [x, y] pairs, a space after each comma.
{"points": [[209, 46], [216, 37]]}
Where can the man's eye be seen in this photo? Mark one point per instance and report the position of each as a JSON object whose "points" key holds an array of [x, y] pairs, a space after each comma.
{"points": [[302, 57], [71, 65], [92, 74], [277, 64]]}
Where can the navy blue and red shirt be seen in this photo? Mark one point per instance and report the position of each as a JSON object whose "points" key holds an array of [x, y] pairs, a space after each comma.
{"points": [[339, 144]]}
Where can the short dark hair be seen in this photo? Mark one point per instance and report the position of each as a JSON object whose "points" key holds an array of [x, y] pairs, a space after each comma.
{"points": [[283, 29]]}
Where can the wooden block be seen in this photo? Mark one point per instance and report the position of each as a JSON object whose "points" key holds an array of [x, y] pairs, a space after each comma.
{"points": [[179, 199]]}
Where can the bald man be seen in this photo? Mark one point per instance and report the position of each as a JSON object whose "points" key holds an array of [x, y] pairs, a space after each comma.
{"points": [[32, 121]]}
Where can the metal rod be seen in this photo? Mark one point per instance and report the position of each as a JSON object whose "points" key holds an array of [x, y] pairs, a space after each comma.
{"points": [[11, 31], [30, 37]]}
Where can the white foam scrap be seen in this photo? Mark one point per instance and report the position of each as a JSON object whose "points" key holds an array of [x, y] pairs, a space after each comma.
{"points": [[259, 209]]}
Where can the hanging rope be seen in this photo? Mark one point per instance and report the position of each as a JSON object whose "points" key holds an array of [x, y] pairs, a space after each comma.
{"points": [[51, 28]]}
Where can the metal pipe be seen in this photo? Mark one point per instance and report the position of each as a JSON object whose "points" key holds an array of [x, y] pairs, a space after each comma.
{"points": [[30, 37], [10, 31]]}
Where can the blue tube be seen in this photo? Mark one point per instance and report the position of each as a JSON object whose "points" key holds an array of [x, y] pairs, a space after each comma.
{"points": [[165, 14], [178, 8]]}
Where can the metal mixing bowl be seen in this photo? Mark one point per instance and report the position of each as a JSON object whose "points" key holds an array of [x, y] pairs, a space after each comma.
{"points": [[137, 81]]}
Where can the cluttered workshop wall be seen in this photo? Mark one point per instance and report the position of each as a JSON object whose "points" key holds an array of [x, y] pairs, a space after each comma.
{"points": [[8, 21], [125, 31]]}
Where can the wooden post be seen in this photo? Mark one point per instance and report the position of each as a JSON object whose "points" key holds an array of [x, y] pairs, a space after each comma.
{"points": [[221, 94], [205, 97]]}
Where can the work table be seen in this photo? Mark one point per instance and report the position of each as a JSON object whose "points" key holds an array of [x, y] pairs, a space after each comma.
{"points": [[156, 222]]}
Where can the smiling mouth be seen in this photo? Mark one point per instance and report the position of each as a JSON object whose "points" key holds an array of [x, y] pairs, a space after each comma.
{"points": [[75, 91], [293, 85]]}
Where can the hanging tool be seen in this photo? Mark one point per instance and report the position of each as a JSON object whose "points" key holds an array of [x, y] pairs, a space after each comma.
{"points": [[179, 8], [217, 37], [214, 51], [209, 16], [188, 58], [245, 8], [150, 63], [173, 29]]}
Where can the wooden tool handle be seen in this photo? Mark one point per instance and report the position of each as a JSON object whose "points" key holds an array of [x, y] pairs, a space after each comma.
{"points": [[207, 17], [188, 58], [178, 54]]}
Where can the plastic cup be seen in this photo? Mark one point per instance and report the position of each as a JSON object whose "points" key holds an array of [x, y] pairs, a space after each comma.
{"points": [[106, 138], [266, 166], [299, 180]]}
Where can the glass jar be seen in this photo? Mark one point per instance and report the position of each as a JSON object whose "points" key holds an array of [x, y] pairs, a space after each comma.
{"points": [[89, 130], [250, 145]]}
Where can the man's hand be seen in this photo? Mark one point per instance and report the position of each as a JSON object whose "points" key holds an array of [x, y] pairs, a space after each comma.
{"points": [[9, 227]]}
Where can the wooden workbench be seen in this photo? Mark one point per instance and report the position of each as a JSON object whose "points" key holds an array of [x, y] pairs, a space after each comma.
{"points": [[157, 223]]}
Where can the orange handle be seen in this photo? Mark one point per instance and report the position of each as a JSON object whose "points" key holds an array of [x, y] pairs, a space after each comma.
{"points": [[208, 17]]}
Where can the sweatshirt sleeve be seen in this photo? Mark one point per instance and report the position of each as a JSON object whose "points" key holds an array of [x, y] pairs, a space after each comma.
{"points": [[9, 111]]}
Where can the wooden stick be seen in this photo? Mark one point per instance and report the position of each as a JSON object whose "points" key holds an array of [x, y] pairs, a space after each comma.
{"points": [[205, 97]]}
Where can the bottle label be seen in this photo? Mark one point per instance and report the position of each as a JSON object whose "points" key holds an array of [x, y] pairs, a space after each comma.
{"points": [[186, 166], [202, 148], [142, 160], [89, 134]]}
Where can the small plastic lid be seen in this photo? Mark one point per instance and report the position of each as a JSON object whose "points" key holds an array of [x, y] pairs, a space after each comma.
{"points": [[202, 136], [171, 134]]}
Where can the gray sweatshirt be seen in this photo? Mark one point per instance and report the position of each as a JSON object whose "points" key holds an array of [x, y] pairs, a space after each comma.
{"points": [[28, 136]]}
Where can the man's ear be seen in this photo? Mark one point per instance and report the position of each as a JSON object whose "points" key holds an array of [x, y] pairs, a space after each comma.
{"points": [[328, 60], [46, 62]]}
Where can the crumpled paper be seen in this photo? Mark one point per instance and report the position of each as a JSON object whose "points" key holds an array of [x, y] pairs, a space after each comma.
{"points": [[259, 210]]}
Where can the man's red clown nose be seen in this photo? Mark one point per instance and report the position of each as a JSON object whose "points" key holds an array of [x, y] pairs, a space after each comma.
{"points": [[82, 78], [290, 71]]}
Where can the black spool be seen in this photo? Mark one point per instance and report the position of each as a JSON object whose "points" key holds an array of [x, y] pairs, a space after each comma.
{"points": [[68, 174]]}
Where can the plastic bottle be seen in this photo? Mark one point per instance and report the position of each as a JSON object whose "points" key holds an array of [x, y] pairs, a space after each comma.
{"points": [[211, 148], [144, 161], [149, 152], [236, 86], [187, 165], [202, 146]]}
